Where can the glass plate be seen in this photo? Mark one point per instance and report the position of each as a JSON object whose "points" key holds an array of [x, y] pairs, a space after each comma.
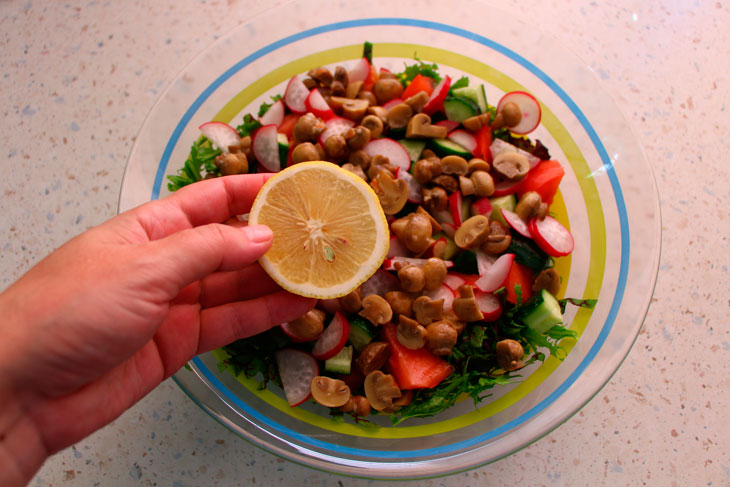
{"points": [[608, 199]]}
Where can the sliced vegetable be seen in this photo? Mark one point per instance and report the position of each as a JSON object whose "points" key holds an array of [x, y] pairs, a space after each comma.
{"points": [[508, 202], [551, 236], [459, 208], [449, 124], [529, 107], [361, 71], [522, 276], [274, 115], [489, 305], [418, 84], [414, 188], [335, 126], [459, 109], [493, 278], [333, 338], [414, 147], [362, 332], [296, 370], [340, 363], [265, 147], [380, 283], [391, 149], [545, 314], [316, 104], [446, 147], [287, 125], [414, 369], [484, 143], [220, 134], [481, 206], [476, 94], [295, 94], [517, 223], [436, 100], [544, 179], [464, 139], [397, 249], [391, 103], [497, 146], [443, 292]]}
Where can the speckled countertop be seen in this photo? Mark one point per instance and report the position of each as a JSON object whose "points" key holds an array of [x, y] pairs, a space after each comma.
{"points": [[78, 77]]}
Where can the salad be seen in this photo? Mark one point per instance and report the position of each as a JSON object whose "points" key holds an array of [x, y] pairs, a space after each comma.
{"points": [[467, 294]]}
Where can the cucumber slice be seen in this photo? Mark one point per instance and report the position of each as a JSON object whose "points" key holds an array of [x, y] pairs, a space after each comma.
{"points": [[527, 253], [459, 109], [545, 315], [475, 94], [414, 148], [445, 147], [340, 363], [508, 202], [283, 144], [361, 333]]}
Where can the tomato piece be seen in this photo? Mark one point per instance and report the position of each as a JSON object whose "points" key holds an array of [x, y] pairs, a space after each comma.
{"points": [[287, 125], [544, 179], [419, 83], [519, 275], [371, 79], [484, 141], [414, 369]]}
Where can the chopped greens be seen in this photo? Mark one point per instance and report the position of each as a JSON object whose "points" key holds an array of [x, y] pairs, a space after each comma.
{"points": [[201, 157], [265, 106], [424, 69], [462, 82], [249, 125]]}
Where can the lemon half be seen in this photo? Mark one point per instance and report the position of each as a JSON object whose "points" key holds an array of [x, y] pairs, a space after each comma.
{"points": [[330, 232]]}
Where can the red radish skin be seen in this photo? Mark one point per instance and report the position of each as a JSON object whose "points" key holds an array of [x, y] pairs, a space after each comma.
{"points": [[333, 338], [484, 261], [530, 108], [464, 139], [221, 134], [481, 206], [391, 149], [551, 236], [380, 283], [316, 104], [497, 273], [449, 124], [265, 147], [274, 115], [455, 207], [517, 223], [489, 305], [443, 292], [391, 103], [295, 94], [296, 370], [361, 71], [335, 126], [436, 100]]}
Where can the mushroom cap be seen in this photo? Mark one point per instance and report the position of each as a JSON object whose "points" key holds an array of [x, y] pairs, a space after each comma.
{"points": [[420, 126], [392, 193], [376, 310], [381, 389], [329, 392]]}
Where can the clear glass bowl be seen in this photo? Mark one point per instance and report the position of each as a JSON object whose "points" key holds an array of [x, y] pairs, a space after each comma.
{"points": [[608, 199]]}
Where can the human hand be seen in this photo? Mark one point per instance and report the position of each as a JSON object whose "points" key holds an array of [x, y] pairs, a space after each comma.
{"points": [[102, 320]]}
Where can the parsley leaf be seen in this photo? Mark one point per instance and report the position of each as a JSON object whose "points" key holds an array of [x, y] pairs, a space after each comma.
{"points": [[248, 126], [202, 156], [255, 355], [265, 106], [462, 82], [424, 69]]}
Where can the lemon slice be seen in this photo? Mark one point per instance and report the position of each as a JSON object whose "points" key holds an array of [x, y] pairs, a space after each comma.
{"points": [[330, 232]]}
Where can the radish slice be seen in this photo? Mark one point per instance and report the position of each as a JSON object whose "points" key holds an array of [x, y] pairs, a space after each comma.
{"points": [[396, 153], [489, 305], [330, 306], [295, 94], [453, 281], [274, 115], [436, 101], [389, 264], [335, 126], [496, 274], [265, 147], [449, 124], [316, 104], [516, 222], [443, 216], [333, 338], [380, 283], [296, 370], [391, 103], [456, 208], [443, 292], [414, 187], [499, 145], [397, 249], [361, 71], [481, 206], [464, 139], [484, 261], [529, 107], [449, 229], [503, 188], [221, 134], [551, 236]]}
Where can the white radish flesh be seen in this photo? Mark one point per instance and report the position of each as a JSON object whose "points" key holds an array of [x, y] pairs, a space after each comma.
{"points": [[274, 115], [551, 236], [295, 95], [396, 153], [496, 274], [516, 222], [265, 147], [333, 338], [296, 370], [221, 134], [529, 107]]}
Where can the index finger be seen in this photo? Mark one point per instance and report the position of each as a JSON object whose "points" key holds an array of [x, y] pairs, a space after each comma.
{"points": [[209, 201]]}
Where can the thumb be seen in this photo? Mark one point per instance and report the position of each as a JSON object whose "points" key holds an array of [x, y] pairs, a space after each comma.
{"points": [[192, 254]]}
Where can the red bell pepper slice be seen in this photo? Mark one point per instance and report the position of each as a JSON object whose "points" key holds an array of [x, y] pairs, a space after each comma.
{"points": [[287, 125], [519, 275], [543, 178], [414, 369], [484, 141], [419, 83]]}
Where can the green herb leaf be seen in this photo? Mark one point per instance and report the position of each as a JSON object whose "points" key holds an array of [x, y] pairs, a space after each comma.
{"points": [[265, 106], [583, 303], [367, 51], [462, 82], [424, 69], [202, 156], [248, 126]]}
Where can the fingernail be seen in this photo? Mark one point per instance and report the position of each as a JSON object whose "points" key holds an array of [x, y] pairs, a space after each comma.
{"points": [[258, 233]]}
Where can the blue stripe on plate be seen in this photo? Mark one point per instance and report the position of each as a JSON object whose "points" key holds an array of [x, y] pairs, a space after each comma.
{"points": [[607, 165]]}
